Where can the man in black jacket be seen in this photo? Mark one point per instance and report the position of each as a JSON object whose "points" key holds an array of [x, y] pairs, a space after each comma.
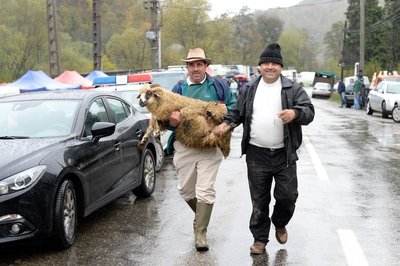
{"points": [[342, 93], [272, 111]]}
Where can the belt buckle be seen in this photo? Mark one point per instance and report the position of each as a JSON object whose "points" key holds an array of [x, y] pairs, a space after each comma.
{"points": [[274, 149]]}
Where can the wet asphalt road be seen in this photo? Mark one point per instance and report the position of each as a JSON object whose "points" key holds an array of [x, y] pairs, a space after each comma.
{"points": [[347, 212]]}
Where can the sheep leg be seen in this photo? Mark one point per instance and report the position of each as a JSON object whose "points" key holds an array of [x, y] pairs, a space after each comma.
{"points": [[150, 129], [157, 130]]}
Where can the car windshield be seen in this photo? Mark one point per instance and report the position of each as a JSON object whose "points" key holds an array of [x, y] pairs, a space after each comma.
{"points": [[393, 88], [167, 79], [37, 118], [349, 87]]}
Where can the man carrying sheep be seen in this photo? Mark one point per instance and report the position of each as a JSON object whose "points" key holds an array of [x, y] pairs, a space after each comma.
{"points": [[272, 111], [197, 169]]}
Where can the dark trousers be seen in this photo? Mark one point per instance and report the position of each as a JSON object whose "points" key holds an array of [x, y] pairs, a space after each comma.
{"points": [[264, 166]]}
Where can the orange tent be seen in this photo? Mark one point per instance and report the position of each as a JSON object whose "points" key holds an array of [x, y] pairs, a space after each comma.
{"points": [[73, 77], [376, 78]]}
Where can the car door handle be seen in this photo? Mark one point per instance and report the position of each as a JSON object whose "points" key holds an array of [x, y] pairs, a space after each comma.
{"points": [[139, 133], [117, 144]]}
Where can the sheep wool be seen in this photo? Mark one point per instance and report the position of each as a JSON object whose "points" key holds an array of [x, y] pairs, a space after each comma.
{"points": [[198, 118]]}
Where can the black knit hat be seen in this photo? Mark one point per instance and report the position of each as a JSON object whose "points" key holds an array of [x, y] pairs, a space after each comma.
{"points": [[272, 53]]}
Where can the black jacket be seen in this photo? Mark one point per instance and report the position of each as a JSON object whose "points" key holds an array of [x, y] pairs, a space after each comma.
{"points": [[293, 97], [341, 87]]}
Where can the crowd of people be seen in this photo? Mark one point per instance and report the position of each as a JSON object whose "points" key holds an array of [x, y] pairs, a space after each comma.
{"points": [[359, 90]]}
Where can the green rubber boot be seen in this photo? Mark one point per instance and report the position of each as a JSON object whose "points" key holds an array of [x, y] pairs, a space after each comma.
{"points": [[192, 204], [203, 214]]}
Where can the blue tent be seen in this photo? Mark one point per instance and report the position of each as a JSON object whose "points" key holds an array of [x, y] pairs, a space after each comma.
{"points": [[39, 81], [94, 74]]}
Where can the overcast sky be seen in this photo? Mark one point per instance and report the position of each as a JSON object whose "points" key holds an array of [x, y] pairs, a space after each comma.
{"points": [[234, 6]]}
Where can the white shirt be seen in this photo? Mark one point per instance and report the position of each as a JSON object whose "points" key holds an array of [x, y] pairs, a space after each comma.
{"points": [[266, 126], [190, 82]]}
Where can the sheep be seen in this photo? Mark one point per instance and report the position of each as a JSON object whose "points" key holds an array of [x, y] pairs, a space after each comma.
{"points": [[198, 118]]}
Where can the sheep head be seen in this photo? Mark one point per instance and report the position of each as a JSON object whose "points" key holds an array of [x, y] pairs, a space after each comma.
{"points": [[149, 95]]}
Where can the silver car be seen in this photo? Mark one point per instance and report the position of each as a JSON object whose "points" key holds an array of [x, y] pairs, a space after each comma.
{"points": [[384, 98], [321, 89]]}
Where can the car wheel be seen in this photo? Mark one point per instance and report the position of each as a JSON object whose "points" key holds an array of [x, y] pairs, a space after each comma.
{"points": [[160, 155], [384, 112], [65, 215], [396, 114], [369, 109], [148, 182]]}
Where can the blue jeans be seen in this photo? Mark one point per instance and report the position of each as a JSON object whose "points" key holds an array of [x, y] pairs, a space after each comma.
{"points": [[357, 101], [343, 98]]}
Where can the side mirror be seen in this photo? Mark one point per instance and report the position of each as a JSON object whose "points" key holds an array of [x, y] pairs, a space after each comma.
{"points": [[102, 129]]}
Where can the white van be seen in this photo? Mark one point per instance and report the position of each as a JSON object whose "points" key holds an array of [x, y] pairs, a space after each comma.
{"points": [[306, 77], [352, 79], [290, 74]]}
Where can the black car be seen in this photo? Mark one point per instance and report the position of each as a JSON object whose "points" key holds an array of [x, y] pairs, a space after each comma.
{"points": [[349, 95], [64, 155]]}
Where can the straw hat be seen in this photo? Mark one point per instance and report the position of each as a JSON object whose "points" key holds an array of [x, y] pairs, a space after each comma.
{"points": [[197, 54]]}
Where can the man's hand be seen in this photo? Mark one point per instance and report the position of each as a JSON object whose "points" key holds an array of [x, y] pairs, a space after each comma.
{"points": [[175, 118], [287, 115], [223, 104], [220, 129]]}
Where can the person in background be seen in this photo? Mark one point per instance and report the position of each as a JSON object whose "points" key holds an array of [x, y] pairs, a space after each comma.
{"points": [[272, 111], [234, 86], [342, 93], [357, 91], [197, 169]]}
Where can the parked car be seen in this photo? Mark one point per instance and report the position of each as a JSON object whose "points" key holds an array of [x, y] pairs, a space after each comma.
{"points": [[168, 79], [396, 114], [349, 94], [130, 93], [322, 89], [64, 155], [384, 98], [352, 80]]}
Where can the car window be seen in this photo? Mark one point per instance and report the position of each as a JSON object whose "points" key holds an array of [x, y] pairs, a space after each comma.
{"points": [[380, 87], [120, 109], [131, 97], [393, 88], [37, 118], [349, 88], [322, 86], [97, 113]]}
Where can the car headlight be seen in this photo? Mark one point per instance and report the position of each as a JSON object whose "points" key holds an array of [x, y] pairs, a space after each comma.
{"points": [[21, 180]]}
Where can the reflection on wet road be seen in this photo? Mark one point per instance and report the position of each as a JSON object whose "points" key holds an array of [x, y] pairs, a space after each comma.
{"points": [[347, 211]]}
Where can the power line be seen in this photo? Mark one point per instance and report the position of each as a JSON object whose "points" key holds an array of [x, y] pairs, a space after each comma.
{"points": [[381, 23]]}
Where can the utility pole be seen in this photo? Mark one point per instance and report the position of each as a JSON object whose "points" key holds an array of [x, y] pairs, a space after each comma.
{"points": [[362, 37], [343, 46], [96, 35], [54, 48], [153, 34]]}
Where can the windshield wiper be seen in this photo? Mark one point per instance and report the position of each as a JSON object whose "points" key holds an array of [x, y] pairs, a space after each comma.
{"points": [[14, 137]]}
